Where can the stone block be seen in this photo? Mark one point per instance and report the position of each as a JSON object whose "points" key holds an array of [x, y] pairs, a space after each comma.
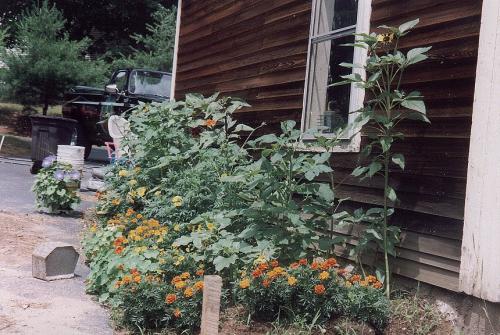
{"points": [[54, 260]]}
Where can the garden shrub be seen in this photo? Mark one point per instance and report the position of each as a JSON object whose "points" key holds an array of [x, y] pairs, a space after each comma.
{"points": [[314, 292]]}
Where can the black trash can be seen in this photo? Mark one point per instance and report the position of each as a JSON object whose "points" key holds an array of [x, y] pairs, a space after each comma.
{"points": [[47, 132]]}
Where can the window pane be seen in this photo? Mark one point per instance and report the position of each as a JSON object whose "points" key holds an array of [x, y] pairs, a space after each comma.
{"points": [[329, 106], [335, 14]]}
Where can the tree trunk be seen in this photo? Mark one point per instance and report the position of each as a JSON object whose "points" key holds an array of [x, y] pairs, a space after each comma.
{"points": [[45, 107]]}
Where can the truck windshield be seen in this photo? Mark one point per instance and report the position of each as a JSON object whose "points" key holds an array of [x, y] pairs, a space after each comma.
{"points": [[150, 83]]}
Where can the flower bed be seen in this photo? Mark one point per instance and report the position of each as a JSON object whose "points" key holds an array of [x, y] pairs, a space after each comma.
{"points": [[198, 196]]}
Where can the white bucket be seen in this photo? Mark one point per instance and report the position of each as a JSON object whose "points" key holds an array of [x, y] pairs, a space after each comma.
{"points": [[118, 127], [71, 154]]}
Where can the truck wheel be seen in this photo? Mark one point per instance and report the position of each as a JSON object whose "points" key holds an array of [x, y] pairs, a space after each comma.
{"points": [[81, 140]]}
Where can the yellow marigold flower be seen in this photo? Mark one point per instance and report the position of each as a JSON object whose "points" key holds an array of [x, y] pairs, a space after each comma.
{"points": [[180, 259], [116, 202], [177, 201], [141, 191], [157, 193], [93, 228], [132, 182], [185, 275], [199, 285], [137, 169], [324, 275], [245, 283], [188, 293], [123, 173], [177, 227], [292, 281], [260, 260], [180, 284], [210, 226]]}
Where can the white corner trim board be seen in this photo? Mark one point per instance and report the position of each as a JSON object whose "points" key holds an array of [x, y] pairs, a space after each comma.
{"points": [[480, 264], [176, 49]]}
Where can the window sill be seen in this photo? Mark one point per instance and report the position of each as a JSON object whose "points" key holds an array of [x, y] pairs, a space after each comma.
{"points": [[352, 145]]}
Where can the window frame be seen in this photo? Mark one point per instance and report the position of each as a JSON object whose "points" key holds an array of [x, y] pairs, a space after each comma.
{"points": [[352, 142]]}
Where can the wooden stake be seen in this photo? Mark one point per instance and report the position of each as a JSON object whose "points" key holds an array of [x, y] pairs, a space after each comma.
{"points": [[212, 286]]}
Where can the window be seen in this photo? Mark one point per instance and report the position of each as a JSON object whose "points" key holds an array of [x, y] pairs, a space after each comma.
{"points": [[120, 80], [333, 23]]}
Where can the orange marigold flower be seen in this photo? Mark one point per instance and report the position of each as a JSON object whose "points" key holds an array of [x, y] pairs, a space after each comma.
{"points": [[363, 283], [355, 278], [210, 123], [377, 285], [188, 293], [245, 283], [341, 272], [198, 285], [371, 279], [118, 283], [126, 280], [134, 271], [324, 266], [118, 250], [177, 313], [137, 279], [130, 211], [274, 263], [294, 265], [292, 281], [314, 265], [139, 216], [170, 298], [176, 279], [257, 273], [319, 289], [263, 267], [185, 275], [324, 275], [266, 282], [303, 261], [200, 272], [331, 261], [180, 284]]}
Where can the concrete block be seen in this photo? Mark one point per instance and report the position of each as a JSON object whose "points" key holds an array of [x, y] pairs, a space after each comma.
{"points": [[54, 260]]}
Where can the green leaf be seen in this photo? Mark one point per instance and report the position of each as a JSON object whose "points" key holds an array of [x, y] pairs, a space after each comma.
{"points": [[416, 105], [359, 171], [224, 262], [391, 194], [403, 28], [385, 143], [399, 160], [416, 55], [374, 233], [326, 193], [374, 167]]}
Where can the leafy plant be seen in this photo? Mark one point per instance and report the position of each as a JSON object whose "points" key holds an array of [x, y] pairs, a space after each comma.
{"points": [[52, 186], [388, 104]]}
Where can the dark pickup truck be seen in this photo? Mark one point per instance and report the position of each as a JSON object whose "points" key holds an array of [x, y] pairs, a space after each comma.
{"points": [[92, 107]]}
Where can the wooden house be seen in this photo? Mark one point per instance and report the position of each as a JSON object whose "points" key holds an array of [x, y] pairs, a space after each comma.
{"points": [[278, 55]]}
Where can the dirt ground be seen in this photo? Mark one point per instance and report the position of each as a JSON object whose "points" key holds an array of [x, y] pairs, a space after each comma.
{"points": [[32, 306]]}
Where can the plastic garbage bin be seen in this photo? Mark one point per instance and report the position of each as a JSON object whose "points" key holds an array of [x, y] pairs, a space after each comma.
{"points": [[47, 132]]}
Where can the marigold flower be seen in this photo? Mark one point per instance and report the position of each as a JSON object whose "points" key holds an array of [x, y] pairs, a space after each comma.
{"points": [[180, 284], [118, 283], [260, 260], [200, 272], [141, 191], [294, 265], [132, 182], [385, 38], [118, 250], [134, 271], [199, 285], [210, 226], [363, 283], [319, 289], [303, 261], [371, 279], [185, 275], [115, 202], [377, 285], [170, 298], [177, 227], [177, 313], [331, 261], [314, 265], [137, 279], [210, 123], [177, 201], [257, 273], [129, 212], [266, 282], [263, 267], [324, 275], [292, 281], [355, 278], [245, 283], [122, 173], [188, 292], [274, 263], [127, 279]]}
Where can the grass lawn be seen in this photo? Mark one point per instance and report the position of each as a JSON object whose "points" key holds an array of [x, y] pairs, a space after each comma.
{"points": [[16, 146]]}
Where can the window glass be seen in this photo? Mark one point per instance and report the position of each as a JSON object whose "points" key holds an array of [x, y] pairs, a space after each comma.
{"points": [[121, 80], [150, 83], [335, 14]]}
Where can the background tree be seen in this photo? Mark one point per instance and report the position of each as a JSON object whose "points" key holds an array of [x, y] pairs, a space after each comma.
{"points": [[44, 62], [156, 47]]}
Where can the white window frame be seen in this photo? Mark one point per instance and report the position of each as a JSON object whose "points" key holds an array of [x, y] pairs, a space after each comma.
{"points": [[353, 140]]}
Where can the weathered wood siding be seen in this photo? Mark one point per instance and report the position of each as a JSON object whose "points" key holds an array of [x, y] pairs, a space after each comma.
{"points": [[257, 50]]}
